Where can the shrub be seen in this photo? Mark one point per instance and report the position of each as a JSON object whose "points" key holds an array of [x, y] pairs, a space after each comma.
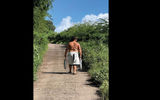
{"points": [[42, 29], [39, 48], [105, 90]]}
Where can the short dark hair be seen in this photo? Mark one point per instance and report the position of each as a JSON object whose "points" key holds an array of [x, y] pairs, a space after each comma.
{"points": [[74, 38]]}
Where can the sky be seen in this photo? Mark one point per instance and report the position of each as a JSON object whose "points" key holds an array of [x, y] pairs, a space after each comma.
{"points": [[66, 13]]}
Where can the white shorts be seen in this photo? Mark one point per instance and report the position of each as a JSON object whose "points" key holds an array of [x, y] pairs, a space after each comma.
{"points": [[73, 58]]}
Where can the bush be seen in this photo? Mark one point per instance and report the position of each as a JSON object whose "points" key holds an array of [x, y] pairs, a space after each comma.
{"points": [[52, 36], [43, 29], [105, 90], [39, 48], [95, 60]]}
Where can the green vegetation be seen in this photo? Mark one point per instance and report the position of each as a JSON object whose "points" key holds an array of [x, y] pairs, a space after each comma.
{"points": [[93, 39], [43, 29]]}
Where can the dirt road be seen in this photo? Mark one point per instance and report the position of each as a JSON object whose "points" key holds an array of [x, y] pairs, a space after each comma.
{"points": [[54, 83]]}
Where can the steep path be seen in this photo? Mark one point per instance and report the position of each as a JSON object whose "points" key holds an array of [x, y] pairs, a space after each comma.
{"points": [[54, 83]]}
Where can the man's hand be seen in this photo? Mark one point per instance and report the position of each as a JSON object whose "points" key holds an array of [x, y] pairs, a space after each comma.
{"points": [[80, 57]]}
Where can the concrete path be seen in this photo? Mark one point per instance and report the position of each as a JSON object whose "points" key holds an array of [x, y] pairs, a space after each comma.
{"points": [[54, 83]]}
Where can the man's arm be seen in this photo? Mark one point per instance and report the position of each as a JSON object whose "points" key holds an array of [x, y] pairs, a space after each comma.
{"points": [[66, 50], [80, 50]]}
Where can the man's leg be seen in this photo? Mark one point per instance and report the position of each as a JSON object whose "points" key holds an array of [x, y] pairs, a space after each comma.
{"points": [[74, 69], [70, 68]]}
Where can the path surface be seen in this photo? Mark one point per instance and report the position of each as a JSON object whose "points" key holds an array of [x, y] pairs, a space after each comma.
{"points": [[54, 83]]}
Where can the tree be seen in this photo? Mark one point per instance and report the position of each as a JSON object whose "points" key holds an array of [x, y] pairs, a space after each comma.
{"points": [[50, 25], [40, 27]]}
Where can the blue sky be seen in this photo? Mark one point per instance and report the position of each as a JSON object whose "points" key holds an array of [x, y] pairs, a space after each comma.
{"points": [[70, 12]]}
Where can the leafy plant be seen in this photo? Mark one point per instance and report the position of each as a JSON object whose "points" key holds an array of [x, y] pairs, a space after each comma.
{"points": [[43, 31]]}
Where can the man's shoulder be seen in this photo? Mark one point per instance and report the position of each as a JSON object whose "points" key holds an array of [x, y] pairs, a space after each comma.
{"points": [[70, 43], [77, 43]]}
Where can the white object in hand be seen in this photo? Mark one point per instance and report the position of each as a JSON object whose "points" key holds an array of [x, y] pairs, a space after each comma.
{"points": [[80, 63]]}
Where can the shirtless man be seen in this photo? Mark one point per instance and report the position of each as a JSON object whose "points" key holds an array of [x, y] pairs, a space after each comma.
{"points": [[73, 48]]}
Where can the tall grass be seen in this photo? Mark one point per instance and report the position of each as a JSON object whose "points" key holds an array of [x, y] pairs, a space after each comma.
{"points": [[96, 61], [40, 46]]}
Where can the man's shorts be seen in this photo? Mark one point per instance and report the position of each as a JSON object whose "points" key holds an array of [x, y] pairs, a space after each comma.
{"points": [[73, 58]]}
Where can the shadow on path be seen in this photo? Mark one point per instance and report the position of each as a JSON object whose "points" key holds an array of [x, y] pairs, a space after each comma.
{"points": [[92, 83], [55, 72]]}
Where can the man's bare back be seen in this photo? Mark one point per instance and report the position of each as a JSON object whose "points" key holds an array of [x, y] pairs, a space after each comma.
{"points": [[73, 46]]}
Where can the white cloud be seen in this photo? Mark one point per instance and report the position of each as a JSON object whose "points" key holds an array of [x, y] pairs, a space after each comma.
{"points": [[67, 23], [93, 18], [88, 18]]}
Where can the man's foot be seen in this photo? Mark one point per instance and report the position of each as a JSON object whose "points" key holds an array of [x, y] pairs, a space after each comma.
{"points": [[74, 73], [69, 72]]}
